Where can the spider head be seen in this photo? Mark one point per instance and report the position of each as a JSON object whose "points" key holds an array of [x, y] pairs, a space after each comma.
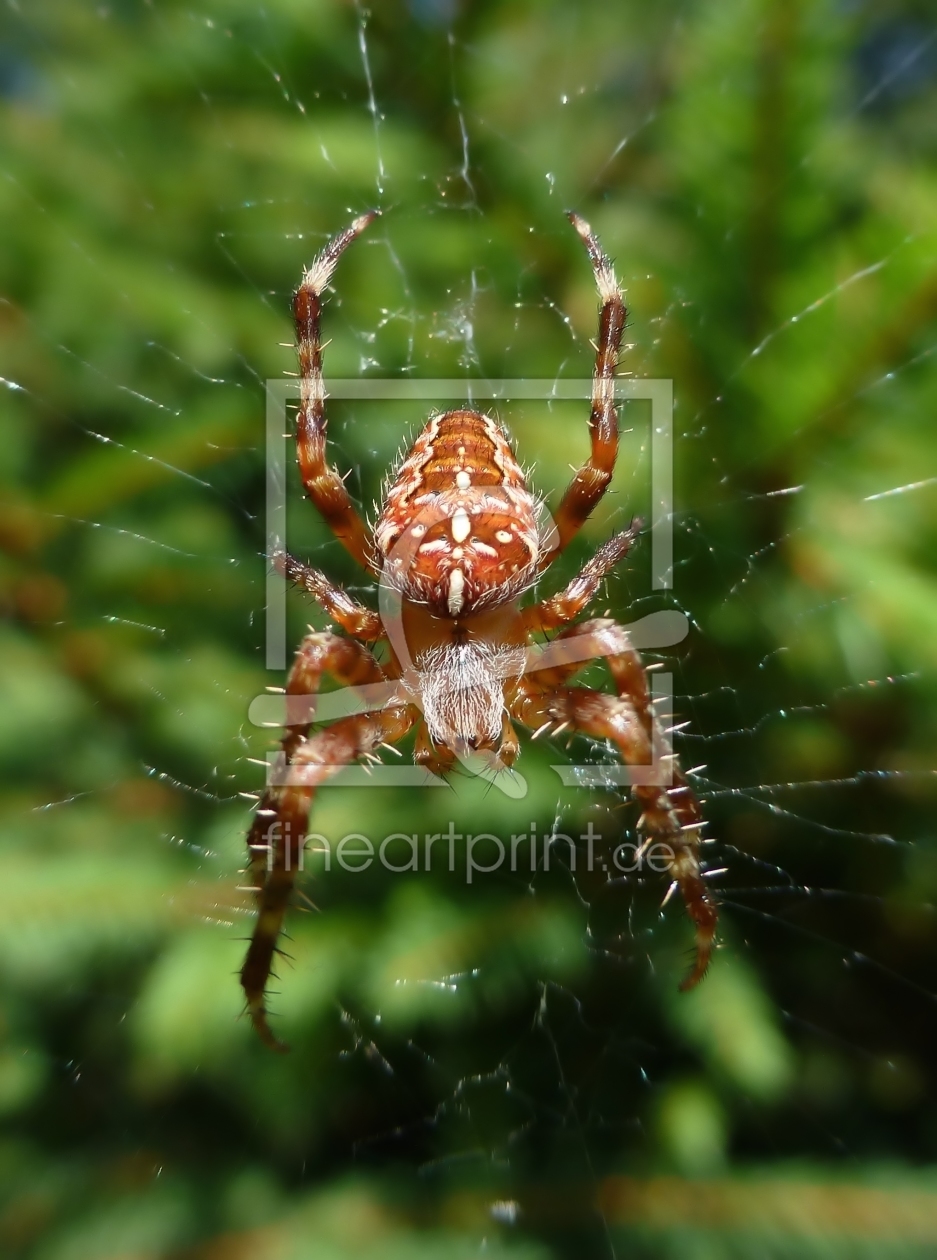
{"points": [[461, 688]]}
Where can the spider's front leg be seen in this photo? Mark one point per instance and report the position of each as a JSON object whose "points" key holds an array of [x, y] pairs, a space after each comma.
{"points": [[323, 484], [591, 481], [277, 836], [671, 814]]}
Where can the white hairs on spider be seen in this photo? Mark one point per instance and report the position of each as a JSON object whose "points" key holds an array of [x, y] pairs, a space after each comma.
{"points": [[461, 687]]}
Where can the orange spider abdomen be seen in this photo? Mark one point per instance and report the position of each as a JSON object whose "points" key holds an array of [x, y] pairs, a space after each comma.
{"points": [[459, 530]]}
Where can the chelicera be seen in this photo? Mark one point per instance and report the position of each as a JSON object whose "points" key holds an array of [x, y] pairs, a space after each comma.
{"points": [[459, 540]]}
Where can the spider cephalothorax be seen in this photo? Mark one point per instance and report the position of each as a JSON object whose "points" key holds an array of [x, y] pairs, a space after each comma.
{"points": [[459, 540]]}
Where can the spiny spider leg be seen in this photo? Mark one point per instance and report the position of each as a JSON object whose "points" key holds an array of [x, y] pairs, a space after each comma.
{"points": [[276, 838], [319, 653], [314, 762], [591, 481], [357, 619], [671, 814], [566, 605], [323, 484], [589, 641]]}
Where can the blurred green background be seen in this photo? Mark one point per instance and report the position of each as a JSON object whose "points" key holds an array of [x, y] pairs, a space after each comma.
{"points": [[505, 1068]]}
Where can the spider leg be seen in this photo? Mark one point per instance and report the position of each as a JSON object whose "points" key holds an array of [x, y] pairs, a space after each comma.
{"points": [[566, 605], [591, 481], [354, 618], [323, 484], [315, 761], [277, 835], [671, 815], [569, 653], [436, 758], [510, 747]]}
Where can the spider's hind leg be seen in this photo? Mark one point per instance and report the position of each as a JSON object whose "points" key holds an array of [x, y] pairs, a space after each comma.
{"points": [[313, 762], [277, 836], [671, 820]]}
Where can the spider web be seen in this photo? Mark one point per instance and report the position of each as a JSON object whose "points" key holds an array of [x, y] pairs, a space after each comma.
{"points": [[506, 1059]]}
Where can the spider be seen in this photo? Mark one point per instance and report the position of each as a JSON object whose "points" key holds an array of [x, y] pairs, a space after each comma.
{"points": [[459, 541]]}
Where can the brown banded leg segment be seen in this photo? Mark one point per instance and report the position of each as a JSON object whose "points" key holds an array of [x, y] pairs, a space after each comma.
{"points": [[319, 653], [354, 618], [323, 484], [591, 481], [671, 814], [315, 761], [566, 605], [277, 835], [571, 651]]}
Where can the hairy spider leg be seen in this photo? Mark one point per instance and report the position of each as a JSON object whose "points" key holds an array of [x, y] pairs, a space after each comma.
{"points": [[354, 618], [591, 481], [323, 484], [566, 605], [671, 814], [277, 835]]}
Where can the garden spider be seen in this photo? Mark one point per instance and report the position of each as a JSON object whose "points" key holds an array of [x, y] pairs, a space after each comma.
{"points": [[458, 541]]}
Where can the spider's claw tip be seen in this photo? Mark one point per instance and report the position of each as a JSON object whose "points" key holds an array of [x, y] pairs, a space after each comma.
{"points": [[701, 960], [692, 980], [265, 1032]]}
